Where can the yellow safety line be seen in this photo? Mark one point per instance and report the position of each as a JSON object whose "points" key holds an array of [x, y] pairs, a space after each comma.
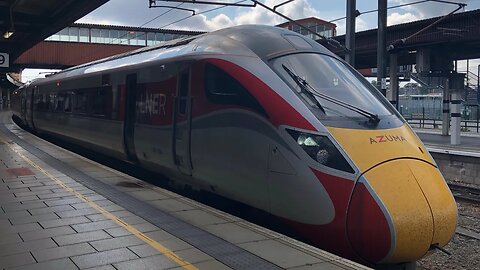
{"points": [[154, 244]]}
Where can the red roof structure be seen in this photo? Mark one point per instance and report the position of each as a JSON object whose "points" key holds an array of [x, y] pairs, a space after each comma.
{"points": [[310, 22]]}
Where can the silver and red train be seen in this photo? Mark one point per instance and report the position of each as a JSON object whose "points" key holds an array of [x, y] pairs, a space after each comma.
{"points": [[266, 117]]}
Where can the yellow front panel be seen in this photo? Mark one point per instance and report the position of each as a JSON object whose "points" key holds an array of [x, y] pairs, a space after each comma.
{"points": [[441, 201], [368, 148], [398, 189]]}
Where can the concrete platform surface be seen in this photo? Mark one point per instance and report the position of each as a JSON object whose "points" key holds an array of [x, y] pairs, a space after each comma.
{"points": [[61, 211], [436, 142]]}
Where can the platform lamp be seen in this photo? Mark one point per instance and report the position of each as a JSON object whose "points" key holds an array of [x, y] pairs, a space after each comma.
{"points": [[9, 32]]}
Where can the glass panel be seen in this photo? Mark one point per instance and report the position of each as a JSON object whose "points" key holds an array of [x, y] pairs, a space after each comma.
{"points": [[131, 37], [330, 77], [150, 39], [95, 35], [105, 35], [160, 36], [68, 103], [80, 102], [114, 36], [64, 35], [123, 37], [141, 38], [73, 34], [322, 150], [222, 88], [84, 35], [59, 102], [99, 102]]}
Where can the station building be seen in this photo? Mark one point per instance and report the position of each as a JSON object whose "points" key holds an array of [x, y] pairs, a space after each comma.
{"points": [[123, 35], [140, 36], [321, 27]]}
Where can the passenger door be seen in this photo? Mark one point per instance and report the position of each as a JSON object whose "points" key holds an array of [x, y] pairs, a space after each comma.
{"points": [[29, 105], [129, 125], [182, 118]]}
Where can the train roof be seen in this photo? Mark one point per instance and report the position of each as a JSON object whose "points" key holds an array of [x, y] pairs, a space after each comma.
{"points": [[259, 41]]}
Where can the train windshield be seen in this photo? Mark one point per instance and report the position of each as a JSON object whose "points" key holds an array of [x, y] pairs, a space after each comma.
{"points": [[331, 87]]}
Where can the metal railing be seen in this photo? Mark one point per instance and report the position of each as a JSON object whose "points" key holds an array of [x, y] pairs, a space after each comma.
{"points": [[466, 125]]}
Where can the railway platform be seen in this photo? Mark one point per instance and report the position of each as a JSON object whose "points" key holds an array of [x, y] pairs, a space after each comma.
{"points": [[436, 142], [59, 210], [458, 163]]}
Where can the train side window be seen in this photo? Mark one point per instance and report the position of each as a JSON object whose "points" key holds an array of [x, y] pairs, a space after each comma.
{"points": [[222, 88], [68, 103], [80, 102], [99, 101], [51, 101], [59, 102], [38, 102], [45, 103]]}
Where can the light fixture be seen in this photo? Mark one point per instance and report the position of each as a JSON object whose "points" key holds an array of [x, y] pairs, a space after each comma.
{"points": [[7, 34]]}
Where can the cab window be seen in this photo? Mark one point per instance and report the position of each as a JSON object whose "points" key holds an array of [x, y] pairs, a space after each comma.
{"points": [[221, 88]]}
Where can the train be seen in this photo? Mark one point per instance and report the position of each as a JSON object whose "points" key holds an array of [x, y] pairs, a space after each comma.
{"points": [[265, 117]]}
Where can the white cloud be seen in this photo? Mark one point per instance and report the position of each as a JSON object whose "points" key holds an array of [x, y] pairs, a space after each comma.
{"points": [[427, 9], [397, 18], [259, 15], [360, 25], [138, 15], [202, 23]]}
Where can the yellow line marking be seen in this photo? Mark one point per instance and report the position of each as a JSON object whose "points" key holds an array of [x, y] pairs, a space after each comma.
{"points": [[154, 244]]}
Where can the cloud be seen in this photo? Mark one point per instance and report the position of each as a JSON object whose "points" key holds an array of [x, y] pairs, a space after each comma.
{"points": [[397, 18], [202, 23], [427, 9], [360, 25], [259, 15], [138, 15]]}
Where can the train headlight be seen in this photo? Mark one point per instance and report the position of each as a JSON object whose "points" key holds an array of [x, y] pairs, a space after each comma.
{"points": [[321, 149]]}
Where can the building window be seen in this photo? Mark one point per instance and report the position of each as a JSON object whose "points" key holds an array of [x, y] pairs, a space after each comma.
{"points": [[64, 35], [113, 36], [105, 37], [84, 35], [95, 35], [73, 34], [123, 38]]}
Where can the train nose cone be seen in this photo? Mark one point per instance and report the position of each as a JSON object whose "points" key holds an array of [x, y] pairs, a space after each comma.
{"points": [[398, 210]]}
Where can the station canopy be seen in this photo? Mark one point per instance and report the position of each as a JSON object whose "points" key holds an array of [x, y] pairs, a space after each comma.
{"points": [[24, 23]]}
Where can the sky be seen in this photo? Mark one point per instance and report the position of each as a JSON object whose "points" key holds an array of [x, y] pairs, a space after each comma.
{"points": [[137, 13]]}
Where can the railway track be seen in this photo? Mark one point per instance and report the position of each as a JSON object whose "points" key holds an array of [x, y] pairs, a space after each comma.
{"points": [[465, 193]]}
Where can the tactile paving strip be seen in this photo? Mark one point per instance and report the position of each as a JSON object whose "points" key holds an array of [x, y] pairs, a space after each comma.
{"points": [[223, 251]]}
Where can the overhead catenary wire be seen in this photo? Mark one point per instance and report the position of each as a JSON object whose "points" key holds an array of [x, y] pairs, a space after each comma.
{"points": [[400, 5], [202, 12], [149, 21], [242, 1], [394, 45]]}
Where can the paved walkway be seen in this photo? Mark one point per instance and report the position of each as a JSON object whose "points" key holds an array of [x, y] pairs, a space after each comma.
{"points": [[61, 211], [470, 142]]}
